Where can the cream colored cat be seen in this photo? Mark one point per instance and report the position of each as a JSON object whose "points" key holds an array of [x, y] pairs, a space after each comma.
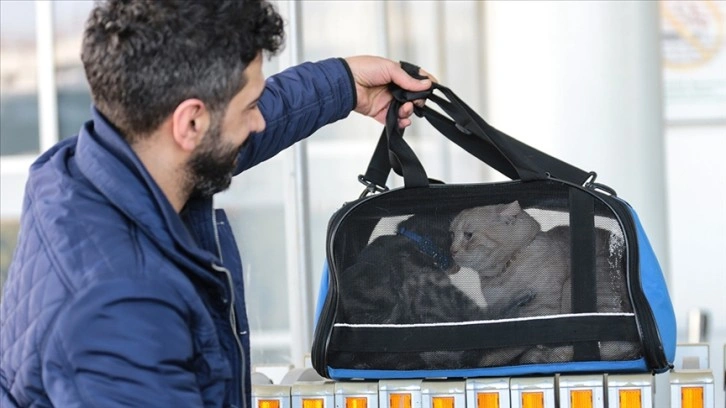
{"points": [[515, 259], [506, 246]]}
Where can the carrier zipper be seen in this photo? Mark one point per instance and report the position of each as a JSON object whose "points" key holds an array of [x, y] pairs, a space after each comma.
{"points": [[324, 328], [654, 354], [232, 313], [650, 336], [645, 321]]}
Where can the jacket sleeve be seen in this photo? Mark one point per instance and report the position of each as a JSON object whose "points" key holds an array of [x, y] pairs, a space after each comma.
{"points": [[297, 102], [120, 344]]}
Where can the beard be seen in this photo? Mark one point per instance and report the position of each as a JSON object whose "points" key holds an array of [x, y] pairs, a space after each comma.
{"points": [[210, 169]]}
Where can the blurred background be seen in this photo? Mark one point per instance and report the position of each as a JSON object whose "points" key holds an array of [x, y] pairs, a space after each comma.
{"points": [[635, 91]]}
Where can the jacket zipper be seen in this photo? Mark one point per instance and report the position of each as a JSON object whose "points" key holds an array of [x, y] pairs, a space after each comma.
{"points": [[232, 314]]}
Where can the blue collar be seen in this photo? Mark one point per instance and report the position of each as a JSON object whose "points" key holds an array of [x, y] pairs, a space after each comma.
{"points": [[441, 258]]}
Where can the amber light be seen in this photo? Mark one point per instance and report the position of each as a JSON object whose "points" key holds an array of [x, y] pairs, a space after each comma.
{"points": [[532, 400], [400, 400], [313, 403], [487, 400], [692, 397], [630, 399], [581, 399], [356, 402], [263, 403], [442, 402]]}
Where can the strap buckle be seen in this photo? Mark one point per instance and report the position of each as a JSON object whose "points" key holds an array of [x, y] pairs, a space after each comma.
{"points": [[371, 187]]}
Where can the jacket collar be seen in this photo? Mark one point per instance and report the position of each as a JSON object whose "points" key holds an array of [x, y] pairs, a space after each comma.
{"points": [[109, 163]]}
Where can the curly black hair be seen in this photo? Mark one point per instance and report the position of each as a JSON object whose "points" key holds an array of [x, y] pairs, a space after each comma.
{"points": [[144, 57]]}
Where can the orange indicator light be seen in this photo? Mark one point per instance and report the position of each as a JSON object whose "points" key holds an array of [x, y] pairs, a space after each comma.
{"points": [[532, 400], [400, 401], [442, 402], [487, 400], [630, 399], [692, 397], [581, 399], [313, 403], [356, 402], [263, 403]]}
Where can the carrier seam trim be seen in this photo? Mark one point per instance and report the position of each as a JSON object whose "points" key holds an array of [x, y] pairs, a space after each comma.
{"points": [[476, 322]]}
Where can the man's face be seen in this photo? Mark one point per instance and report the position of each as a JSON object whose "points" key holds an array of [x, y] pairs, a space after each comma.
{"points": [[213, 162]]}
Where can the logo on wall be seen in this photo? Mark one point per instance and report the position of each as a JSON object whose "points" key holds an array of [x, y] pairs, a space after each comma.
{"points": [[693, 33], [694, 59]]}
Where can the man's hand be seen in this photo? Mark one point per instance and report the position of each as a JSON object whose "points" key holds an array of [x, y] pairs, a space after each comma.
{"points": [[372, 76]]}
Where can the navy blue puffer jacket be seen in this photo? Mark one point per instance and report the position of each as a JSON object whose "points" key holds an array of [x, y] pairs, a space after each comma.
{"points": [[114, 299]]}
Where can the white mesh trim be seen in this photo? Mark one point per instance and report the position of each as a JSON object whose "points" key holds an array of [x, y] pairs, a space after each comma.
{"points": [[478, 322]]}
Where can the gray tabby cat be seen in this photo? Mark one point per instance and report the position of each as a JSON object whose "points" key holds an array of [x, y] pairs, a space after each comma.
{"points": [[516, 259]]}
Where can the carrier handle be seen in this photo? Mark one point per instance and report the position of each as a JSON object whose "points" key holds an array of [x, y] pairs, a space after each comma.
{"points": [[401, 157], [512, 158]]}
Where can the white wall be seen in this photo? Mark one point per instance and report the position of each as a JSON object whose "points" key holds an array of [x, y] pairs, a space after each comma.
{"points": [[697, 228], [585, 81]]}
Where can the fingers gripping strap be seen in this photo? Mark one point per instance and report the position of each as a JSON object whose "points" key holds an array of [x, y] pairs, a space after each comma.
{"points": [[394, 152], [412, 70], [403, 95]]}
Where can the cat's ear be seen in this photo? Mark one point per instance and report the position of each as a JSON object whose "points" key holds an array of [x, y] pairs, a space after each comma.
{"points": [[511, 209]]}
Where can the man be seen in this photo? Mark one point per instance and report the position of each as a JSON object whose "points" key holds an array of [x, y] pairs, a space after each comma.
{"points": [[126, 285]]}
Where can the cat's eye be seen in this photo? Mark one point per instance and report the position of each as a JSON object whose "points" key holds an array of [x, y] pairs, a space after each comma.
{"points": [[468, 235]]}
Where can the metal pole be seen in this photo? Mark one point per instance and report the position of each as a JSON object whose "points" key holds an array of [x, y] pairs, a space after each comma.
{"points": [[297, 216], [47, 93], [442, 66], [384, 39]]}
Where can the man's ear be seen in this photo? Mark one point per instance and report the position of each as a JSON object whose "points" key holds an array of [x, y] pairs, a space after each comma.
{"points": [[190, 122]]}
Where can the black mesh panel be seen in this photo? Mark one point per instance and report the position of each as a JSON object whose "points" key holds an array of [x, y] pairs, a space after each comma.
{"points": [[461, 254]]}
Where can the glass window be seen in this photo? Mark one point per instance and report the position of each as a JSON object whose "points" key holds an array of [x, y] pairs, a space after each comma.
{"points": [[399, 30], [255, 207], [74, 98], [334, 29], [18, 84]]}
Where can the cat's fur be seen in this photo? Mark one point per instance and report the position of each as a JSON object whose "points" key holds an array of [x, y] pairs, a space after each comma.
{"points": [[506, 246], [515, 258]]}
